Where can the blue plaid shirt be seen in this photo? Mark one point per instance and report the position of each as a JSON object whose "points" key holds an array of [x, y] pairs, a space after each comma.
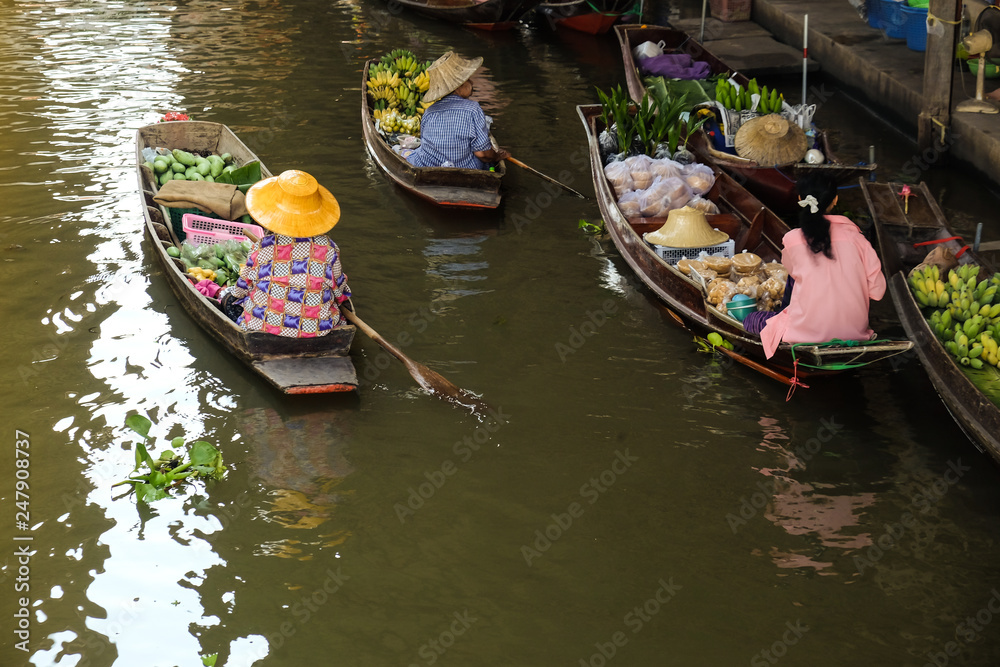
{"points": [[452, 129]]}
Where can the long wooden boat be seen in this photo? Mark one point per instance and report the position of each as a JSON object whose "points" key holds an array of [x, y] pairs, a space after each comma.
{"points": [[293, 365], [897, 231], [483, 15], [593, 17], [774, 186], [445, 186], [754, 228]]}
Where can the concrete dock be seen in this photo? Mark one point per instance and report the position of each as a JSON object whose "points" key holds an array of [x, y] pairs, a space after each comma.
{"points": [[884, 72]]}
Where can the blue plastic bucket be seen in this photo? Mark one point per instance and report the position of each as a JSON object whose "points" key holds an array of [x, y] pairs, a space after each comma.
{"points": [[893, 20], [874, 13], [916, 27]]}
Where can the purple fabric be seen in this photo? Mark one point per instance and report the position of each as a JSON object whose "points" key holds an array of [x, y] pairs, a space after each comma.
{"points": [[755, 320], [675, 66]]}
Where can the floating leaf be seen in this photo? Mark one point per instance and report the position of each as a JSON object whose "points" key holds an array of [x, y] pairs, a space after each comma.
{"points": [[148, 493], [209, 660], [139, 424]]}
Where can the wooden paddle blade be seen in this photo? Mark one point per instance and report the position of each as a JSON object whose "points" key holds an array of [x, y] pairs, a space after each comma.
{"points": [[429, 380]]}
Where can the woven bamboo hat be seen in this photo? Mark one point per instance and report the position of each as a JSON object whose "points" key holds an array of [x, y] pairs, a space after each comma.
{"points": [[293, 204], [686, 228], [448, 73], [771, 141]]}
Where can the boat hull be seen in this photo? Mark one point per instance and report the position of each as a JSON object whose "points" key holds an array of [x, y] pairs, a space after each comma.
{"points": [[754, 228], [972, 410], [493, 15], [458, 188], [773, 185], [324, 362]]}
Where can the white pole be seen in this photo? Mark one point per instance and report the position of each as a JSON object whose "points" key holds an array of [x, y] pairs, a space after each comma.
{"points": [[805, 56], [704, 4]]}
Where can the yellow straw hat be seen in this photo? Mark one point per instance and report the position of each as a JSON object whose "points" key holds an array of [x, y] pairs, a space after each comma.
{"points": [[686, 228], [448, 73], [771, 141], [293, 204]]}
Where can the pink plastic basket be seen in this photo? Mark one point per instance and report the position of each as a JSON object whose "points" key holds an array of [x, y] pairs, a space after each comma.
{"points": [[200, 229]]}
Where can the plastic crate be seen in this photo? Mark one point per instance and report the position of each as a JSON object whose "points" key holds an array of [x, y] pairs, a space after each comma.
{"points": [[730, 10], [916, 27], [200, 229], [674, 255]]}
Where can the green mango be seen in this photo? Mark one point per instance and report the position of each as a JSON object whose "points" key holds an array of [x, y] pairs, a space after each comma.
{"points": [[160, 165], [178, 168], [185, 158], [166, 176], [203, 166]]}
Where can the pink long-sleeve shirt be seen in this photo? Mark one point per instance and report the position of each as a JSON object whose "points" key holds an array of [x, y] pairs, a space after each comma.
{"points": [[831, 296]]}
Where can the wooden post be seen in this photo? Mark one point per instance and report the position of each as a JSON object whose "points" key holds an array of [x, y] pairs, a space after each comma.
{"points": [[939, 68]]}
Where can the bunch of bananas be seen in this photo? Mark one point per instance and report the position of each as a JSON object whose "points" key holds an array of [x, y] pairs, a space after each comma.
{"points": [[740, 99], [390, 120], [964, 316], [397, 82]]}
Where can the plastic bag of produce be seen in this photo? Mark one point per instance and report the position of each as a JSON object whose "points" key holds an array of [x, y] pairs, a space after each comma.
{"points": [[666, 168], [664, 195], [638, 166], [628, 204], [699, 177], [706, 206], [620, 177]]}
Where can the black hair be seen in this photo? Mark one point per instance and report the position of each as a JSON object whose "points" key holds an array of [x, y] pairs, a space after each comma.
{"points": [[815, 226]]}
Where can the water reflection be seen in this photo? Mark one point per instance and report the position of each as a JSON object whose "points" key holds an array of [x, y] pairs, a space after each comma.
{"points": [[301, 463]]}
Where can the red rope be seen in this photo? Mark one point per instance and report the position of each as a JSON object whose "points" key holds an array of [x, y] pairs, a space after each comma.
{"points": [[795, 381], [950, 238]]}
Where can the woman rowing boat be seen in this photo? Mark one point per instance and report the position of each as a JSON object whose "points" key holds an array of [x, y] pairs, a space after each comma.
{"points": [[454, 131], [292, 284]]}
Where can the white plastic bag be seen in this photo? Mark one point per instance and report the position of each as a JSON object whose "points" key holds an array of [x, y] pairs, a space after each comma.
{"points": [[648, 50]]}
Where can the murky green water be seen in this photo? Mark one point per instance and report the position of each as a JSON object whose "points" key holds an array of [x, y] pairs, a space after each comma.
{"points": [[638, 503]]}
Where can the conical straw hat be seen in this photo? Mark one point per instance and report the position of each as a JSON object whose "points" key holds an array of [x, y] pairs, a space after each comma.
{"points": [[293, 204], [448, 73], [686, 228], [771, 141]]}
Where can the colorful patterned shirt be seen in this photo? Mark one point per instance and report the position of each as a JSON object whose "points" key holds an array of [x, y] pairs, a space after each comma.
{"points": [[292, 286], [451, 130]]}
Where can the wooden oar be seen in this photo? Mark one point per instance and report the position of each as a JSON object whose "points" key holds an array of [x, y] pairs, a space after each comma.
{"points": [[520, 164], [425, 377]]}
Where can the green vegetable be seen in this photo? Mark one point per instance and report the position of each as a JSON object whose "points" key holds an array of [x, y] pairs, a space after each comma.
{"points": [[185, 158], [173, 251]]}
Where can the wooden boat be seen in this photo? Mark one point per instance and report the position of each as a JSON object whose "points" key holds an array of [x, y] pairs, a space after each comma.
{"points": [[754, 228], [293, 365], [482, 15], [897, 232], [774, 186], [445, 186], [594, 17]]}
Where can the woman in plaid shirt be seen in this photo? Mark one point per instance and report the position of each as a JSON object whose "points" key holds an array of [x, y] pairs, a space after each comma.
{"points": [[292, 284], [454, 131]]}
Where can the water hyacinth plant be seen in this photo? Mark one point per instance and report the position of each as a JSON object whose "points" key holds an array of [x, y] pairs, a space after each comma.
{"points": [[170, 469]]}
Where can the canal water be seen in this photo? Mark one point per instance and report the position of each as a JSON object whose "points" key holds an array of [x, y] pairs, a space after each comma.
{"points": [[630, 501]]}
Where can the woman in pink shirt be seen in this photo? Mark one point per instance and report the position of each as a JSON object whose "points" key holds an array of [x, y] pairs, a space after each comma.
{"points": [[834, 272]]}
